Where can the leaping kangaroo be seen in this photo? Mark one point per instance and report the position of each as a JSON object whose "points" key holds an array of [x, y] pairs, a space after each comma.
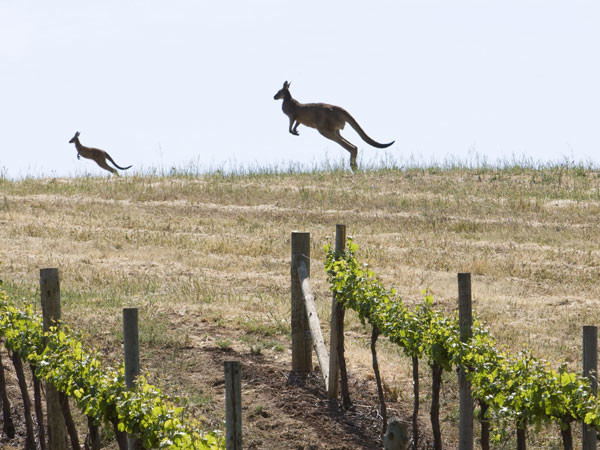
{"points": [[327, 119], [100, 156]]}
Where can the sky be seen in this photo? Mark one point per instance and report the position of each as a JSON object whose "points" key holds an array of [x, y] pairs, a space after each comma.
{"points": [[190, 84]]}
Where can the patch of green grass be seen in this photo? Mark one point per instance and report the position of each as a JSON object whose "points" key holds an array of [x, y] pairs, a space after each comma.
{"points": [[223, 344], [269, 326]]}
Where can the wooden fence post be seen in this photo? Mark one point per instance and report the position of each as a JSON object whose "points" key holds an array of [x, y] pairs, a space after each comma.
{"points": [[233, 405], [301, 340], [337, 324], [314, 324], [590, 370], [465, 315], [131, 346], [131, 350], [50, 298], [8, 426]]}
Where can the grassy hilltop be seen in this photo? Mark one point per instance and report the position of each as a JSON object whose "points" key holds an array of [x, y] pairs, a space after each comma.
{"points": [[206, 258]]}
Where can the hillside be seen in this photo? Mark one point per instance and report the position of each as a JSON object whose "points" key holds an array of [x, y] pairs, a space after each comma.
{"points": [[206, 259]]}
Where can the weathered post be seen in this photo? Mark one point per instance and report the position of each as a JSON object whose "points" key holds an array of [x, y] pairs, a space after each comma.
{"points": [[233, 405], [465, 317], [337, 324], [314, 324], [131, 350], [301, 340], [590, 370], [8, 426], [50, 298]]}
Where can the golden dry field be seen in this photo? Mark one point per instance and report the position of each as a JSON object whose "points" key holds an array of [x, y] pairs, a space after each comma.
{"points": [[206, 258]]}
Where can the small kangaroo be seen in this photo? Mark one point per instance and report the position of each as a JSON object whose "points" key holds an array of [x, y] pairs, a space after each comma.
{"points": [[327, 119], [100, 156]]}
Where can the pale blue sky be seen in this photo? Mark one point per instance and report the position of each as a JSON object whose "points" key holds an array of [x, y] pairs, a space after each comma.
{"points": [[161, 84]]}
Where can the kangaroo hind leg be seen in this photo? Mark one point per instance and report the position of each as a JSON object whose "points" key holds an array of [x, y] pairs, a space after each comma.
{"points": [[102, 163], [337, 137]]}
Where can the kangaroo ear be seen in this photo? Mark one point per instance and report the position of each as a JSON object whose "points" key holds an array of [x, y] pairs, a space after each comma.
{"points": [[286, 85]]}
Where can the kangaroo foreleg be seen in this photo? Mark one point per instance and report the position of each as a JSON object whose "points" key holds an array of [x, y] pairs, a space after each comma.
{"points": [[294, 127]]}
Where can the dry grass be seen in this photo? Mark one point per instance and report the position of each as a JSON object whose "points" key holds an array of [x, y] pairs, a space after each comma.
{"points": [[215, 248]]}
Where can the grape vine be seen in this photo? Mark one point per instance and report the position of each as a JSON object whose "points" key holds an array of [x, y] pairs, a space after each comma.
{"points": [[101, 394], [514, 388]]}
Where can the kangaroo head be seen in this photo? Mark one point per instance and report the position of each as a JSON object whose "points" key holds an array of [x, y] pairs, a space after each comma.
{"points": [[74, 138], [283, 92]]}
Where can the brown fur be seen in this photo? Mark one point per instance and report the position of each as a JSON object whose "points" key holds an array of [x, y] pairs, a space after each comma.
{"points": [[327, 119], [95, 154]]}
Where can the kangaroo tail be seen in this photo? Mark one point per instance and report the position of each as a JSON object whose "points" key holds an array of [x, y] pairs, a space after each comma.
{"points": [[115, 164], [362, 134]]}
